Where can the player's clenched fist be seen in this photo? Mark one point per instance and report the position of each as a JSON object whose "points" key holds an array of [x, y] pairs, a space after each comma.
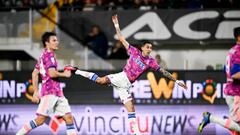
{"points": [[115, 21]]}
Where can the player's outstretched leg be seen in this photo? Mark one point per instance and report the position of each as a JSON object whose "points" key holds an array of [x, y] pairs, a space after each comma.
{"points": [[205, 121], [32, 124], [90, 75], [228, 123]]}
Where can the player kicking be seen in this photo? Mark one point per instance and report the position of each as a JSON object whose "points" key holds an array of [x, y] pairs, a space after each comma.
{"points": [[139, 61], [52, 98], [232, 91]]}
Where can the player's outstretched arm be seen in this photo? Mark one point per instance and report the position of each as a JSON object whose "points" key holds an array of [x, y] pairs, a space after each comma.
{"points": [[53, 73], [168, 75], [118, 31]]}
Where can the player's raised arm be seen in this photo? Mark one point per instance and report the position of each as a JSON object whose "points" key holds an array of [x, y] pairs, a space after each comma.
{"points": [[118, 31], [168, 75]]}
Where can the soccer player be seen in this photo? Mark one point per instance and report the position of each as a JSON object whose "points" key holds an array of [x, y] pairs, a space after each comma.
{"points": [[232, 91], [139, 61], [51, 97]]}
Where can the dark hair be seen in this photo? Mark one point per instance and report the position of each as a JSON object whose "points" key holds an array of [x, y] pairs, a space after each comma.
{"points": [[140, 44], [46, 36], [236, 32], [143, 43], [146, 42]]}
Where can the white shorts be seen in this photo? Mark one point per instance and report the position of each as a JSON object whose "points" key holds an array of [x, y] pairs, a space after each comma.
{"points": [[122, 84], [51, 104]]}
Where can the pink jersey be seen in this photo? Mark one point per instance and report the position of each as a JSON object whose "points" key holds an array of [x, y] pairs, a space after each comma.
{"points": [[49, 86], [233, 60], [137, 64]]}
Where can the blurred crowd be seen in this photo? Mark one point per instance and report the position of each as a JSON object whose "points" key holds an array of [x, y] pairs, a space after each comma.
{"points": [[23, 4], [89, 5]]}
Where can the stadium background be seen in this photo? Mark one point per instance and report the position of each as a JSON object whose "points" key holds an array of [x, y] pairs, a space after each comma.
{"points": [[189, 35]]}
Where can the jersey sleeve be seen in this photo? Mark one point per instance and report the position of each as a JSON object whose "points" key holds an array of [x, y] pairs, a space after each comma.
{"points": [[131, 50], [154, 65], [37, 65], [237, 58], [235, 63]]}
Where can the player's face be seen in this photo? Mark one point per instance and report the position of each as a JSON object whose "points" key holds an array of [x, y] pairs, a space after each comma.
{"points": [[238, 39], [146, 49], [53, 43]]}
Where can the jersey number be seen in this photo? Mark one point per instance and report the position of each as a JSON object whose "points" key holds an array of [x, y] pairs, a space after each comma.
{"points": [[42, 70], [228, 64]]}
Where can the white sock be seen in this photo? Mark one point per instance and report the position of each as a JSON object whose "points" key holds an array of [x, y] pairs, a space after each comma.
{"points": [[27, 128], [132, 120], [71, 129], [90, 75], [227, 123]]}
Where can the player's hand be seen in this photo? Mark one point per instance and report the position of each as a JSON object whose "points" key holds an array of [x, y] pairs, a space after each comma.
{"points": [[181, 84], [115, 21], [67, 73], [36, 97]]}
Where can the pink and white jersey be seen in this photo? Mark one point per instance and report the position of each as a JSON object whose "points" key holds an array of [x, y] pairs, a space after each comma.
{"points": [[232, 66], [137, 64], [50, 86]]}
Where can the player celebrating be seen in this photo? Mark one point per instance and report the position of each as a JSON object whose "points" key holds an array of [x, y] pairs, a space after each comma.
{"points": [[52, 98], [139, 61], [232, 91]]}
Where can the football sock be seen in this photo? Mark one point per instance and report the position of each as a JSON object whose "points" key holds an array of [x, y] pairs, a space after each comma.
{"points": [[227, 123], [133, 122], [71, 129], [90, 75], [27, 128]]}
